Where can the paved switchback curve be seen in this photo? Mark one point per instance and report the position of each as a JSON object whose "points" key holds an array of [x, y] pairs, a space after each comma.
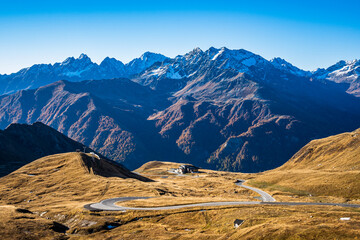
{"points": [[109, 204], [264, 195]]}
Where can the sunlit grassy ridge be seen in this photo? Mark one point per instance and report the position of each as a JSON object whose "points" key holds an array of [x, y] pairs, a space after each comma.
{"points": [[324, 167], [335, 153]]}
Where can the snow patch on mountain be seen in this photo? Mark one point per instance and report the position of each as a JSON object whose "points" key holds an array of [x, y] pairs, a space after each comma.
{"points": [[218, 54], [173, 74], [157, 72], [164, 70], [285, 66], [146, 60], [342, 71]]}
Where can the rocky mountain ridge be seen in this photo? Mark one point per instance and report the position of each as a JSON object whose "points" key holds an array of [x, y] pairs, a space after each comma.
{"points": [[75, 69], [154, 65], [220, 109]]}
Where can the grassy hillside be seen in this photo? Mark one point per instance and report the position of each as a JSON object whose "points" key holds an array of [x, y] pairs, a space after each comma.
{"points": [[324, 167], [335, 153], [68, 177], [55, 188]]}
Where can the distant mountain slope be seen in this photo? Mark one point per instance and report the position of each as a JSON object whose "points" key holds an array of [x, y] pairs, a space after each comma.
{"points": [[168, 75], [20, 144], [220, 109], [106, 115], [242, 113], [75, 69], [343, 72]]}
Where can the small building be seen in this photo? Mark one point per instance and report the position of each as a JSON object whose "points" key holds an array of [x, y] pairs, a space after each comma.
{"points": [[183, 169], [238, 222]]}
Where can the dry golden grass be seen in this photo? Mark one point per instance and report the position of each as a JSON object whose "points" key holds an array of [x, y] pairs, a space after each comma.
{"points": [[63, 178], [339, 153], [215, 185], [17, 225], [58, 186], [324, 170], [261, 222]]}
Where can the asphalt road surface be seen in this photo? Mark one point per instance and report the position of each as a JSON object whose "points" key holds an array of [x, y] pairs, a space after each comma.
{"points": [[264, 195], [109, 204]]}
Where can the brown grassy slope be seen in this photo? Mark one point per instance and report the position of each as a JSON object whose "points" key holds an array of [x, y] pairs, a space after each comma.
{"points": [[205, 186], [261, 222], [26, 225], [59, 186], [324, 167], [335, 153], [69, 177], [73, 179]]}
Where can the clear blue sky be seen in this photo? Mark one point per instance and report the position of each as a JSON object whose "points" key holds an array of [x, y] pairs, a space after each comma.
{"points": [[309, 34]]}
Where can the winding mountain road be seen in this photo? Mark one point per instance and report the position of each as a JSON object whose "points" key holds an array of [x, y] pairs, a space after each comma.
{"points": [[264, 195], [109, 204]]}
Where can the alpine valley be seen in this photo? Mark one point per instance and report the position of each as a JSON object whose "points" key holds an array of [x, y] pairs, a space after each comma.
{"points": [[220, 109]]}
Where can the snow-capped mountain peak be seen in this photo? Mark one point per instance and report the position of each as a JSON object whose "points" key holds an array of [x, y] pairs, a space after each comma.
{"points": [[68, 60], [83, 59], [193, 55], [185, 67], [146, 60], [342, 72], [197, 50], [285, 66], [150, 56], [239, 60], [83, 56]]}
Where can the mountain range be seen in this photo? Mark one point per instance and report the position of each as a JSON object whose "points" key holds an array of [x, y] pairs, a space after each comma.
{"points": [[75, 69], [220, 108], [82, 68]]}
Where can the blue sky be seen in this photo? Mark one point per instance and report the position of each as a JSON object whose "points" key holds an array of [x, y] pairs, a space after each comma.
{"points": [[309, 34]]}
